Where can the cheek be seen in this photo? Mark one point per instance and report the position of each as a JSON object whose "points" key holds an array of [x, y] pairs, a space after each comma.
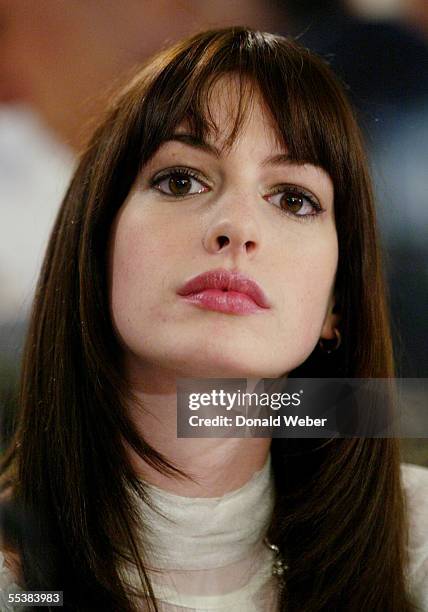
{"points": [[307, 283], [136, 273], [146, 246]]}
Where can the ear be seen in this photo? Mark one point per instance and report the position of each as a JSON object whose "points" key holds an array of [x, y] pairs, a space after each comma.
{"points": [[331, 321]]}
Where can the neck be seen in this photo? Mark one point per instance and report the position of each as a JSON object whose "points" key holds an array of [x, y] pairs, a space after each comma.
{"points": [[217, 465]]}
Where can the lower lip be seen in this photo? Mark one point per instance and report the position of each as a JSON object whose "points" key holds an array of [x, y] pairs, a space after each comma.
{"points": [[224, 301]]}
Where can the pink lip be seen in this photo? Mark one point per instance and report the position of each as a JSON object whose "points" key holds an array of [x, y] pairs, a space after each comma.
{"points": [[225, 291]]}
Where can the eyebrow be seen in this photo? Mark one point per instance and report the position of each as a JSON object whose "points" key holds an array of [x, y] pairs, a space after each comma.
{"points": [[197, 143]]}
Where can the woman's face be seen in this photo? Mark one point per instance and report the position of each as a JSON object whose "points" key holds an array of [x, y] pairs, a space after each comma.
{"points": [[238, 212]]}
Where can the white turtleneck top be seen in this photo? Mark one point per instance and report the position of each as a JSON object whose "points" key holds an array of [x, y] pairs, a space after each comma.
{"points": [[209, 552], [209, 555]]}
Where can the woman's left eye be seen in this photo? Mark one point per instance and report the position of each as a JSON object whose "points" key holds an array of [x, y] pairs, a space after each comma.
{"points": [[295, 201], [178, 183]]}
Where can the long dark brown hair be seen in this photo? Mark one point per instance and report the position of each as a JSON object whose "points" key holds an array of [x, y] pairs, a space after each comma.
{"points": [[340, 512]]}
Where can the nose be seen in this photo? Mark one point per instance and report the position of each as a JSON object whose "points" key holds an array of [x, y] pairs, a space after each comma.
{"points": [[236, 235]]}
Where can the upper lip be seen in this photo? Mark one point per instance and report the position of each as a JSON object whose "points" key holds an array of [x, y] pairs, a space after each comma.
{"points": [[221, 278]]}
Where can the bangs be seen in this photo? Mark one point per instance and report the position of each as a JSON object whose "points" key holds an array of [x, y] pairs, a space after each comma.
{"points": [[299, 94]]}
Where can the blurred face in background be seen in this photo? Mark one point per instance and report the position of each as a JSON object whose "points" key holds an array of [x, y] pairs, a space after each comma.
{"points": [[280, 228], [59, 57]]}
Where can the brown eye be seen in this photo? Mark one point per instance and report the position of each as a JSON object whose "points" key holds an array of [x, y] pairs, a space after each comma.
{"points": [[295, 202], [179, 183]]}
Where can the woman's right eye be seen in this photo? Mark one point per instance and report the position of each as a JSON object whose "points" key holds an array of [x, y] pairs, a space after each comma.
{"points": [[177, 183]]}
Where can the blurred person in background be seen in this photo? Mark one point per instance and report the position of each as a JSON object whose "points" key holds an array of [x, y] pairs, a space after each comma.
{"points": [[64, 58]]}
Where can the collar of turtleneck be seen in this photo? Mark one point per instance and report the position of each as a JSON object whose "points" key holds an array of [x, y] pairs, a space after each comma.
{"points": [[187, 533]]}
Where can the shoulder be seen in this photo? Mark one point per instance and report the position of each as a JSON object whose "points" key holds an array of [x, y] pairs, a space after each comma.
{"points": [[415, 486]]}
